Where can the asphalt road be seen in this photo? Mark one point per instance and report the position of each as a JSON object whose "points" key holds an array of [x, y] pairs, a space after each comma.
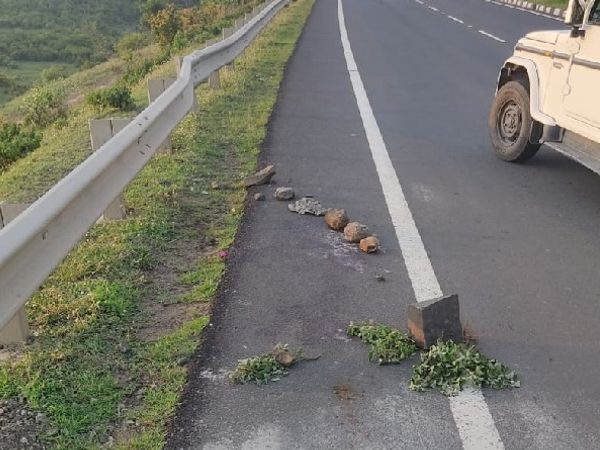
{"points": [[518, 243]]}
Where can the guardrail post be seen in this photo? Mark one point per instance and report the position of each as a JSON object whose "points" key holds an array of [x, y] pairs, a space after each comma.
{"points": [[101, 130], [16, 330], [227, 32], [156, 86], [178, 63], [214, 79]]}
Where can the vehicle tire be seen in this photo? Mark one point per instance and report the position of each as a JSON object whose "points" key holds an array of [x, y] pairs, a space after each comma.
{"points": [[510, 123]]}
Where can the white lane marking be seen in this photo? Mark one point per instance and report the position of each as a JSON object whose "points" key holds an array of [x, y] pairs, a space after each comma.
{"points": [[472, 417], [460, 21], [496, 38], [455, 19]]}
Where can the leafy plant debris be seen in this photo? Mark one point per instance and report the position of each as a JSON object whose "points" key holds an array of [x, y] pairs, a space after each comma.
{"points": [[449, 366], [268, 367], [388, 345], [258, 369]]}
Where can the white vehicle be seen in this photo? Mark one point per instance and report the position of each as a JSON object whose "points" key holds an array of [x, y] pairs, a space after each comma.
{"points": [[549, 91]]}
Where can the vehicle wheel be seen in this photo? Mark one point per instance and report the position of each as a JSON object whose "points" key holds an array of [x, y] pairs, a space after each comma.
{"points": [[510, 123]]}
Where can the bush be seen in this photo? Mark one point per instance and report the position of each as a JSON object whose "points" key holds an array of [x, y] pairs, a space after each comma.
{"points": [[44, 105], [114, 97], [164, 25], [55, 72], [16, 142]]}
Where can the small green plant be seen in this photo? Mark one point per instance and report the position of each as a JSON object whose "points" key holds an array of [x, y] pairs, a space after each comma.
{"points": [[15, 142], [114, 97], [258, 369], [388, 345], [449, 366], [44, 105]]}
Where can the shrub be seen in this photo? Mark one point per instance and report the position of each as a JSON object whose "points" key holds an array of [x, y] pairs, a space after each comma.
{"points": [[15, 142], [114, 97], [44, 105], [164, 25], [55, 72]]}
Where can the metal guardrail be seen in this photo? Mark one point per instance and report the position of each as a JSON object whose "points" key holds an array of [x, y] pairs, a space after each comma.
{"points": [[38, 240]]}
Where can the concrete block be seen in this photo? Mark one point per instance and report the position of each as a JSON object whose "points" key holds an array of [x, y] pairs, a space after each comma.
{"points": [[101, 131], [214, 80], [9, 211], [435, 319], [16, 330]]}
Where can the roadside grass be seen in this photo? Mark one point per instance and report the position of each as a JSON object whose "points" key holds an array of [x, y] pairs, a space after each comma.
{"points": [[93, 368], [555, 3]]}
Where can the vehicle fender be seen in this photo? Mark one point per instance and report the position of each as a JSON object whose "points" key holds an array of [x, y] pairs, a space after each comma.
{"points": [[534, 86]]}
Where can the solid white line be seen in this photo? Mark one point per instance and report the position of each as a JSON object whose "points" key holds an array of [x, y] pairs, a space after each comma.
{"points": [[472, 417], [496, 38], [433, 8]]}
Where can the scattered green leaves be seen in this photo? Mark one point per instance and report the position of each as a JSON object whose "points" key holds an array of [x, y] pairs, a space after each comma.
{"points": [[258, 369], [449, 366], [388, 345]]}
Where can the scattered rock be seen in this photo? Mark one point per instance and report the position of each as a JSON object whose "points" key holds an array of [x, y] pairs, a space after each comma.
{"points": [[355, 232], [307, 205], [284, 193], [259, 197], [215, 185], [283, 356], [379, 277], [261, 177], [336, 219], [369, 244]]}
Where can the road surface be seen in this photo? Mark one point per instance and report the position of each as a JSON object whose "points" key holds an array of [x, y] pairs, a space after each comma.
{"points": [[518, 243]]}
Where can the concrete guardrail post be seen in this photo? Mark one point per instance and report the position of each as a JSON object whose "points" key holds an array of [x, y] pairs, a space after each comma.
{"points": [[178, 63], [214, 79], [101, 131], [16, 330], [156, 86], [227, 32]]}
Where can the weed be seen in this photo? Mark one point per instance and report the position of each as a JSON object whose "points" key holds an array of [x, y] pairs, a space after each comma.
{"points": [[258, 369], [388, 345], [449, 366]]}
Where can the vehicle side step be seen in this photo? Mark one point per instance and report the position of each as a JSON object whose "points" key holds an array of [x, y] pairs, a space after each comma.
{"points": [[580, 149]]}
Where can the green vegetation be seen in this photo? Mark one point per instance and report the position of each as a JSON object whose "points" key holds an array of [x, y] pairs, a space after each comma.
{"points": [[15, 142], [556, 3], [449, 366], [73, 31], [118, 97], [387, 345], [44, 105], [258, 369], [113, 327]]}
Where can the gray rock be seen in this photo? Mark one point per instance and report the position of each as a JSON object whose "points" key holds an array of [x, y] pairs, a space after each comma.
{"points": [[307, 205], [284, 193], [259, 197], [261, 177]]}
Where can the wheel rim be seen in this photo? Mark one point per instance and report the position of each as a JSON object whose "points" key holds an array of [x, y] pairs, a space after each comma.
{"points": [[510, 120]]}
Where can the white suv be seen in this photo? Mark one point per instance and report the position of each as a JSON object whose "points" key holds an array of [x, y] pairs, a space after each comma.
{"points": [[549, 91]]}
